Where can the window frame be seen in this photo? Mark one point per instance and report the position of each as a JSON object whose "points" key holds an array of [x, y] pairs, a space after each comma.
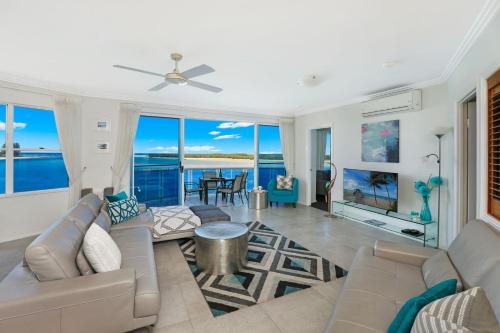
{"points": [[9, 152]]}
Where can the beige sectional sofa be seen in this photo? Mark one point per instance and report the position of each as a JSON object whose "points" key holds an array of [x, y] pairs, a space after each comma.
{"points": [[381, 279], [49, 293]]}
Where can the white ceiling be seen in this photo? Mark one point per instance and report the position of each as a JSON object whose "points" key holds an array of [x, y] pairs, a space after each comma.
{"points": [[259, 48]]}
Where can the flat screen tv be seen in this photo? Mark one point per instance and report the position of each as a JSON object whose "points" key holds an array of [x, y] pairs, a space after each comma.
{"points": [[372, 188]]}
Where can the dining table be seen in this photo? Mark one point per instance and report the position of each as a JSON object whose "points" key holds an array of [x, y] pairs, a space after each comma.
{"points": [[209, 180]]}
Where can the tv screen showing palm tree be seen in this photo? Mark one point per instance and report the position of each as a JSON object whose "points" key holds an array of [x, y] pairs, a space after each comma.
{"points": [[372, 188]]}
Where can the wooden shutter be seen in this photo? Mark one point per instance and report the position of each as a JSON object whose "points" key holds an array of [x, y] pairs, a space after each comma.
{"points": [[494, 145]]}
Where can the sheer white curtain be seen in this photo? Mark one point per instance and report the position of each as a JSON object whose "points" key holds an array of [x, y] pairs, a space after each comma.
{"points": [[321, 148], [287, 138], [127, 127], [68, 115]]}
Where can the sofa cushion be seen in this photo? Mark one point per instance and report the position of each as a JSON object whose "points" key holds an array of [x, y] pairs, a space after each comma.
{"points": [[469, 311], [475, 252], [142, 220], [103, 221], [439, 268], [52, 255], [101, 250], [83, 264], [117, 197], [374, 290], [405, 318], [92, 201], [489, 282], [123, 210], [137, 253], [82, 215]]}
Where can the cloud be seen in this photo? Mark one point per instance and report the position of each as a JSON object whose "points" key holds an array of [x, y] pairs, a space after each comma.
{"points": [[227, 136], [214, 133], [16, 126], [235, 124], [196, 149]]}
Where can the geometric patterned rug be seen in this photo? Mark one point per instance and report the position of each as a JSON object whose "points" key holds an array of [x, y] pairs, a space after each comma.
{"points": [[277, 266]]}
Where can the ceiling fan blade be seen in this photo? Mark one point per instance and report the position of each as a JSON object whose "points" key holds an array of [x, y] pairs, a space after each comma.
{"points": [[160, 86], [197, 71], [204, 86], [138, 70]]}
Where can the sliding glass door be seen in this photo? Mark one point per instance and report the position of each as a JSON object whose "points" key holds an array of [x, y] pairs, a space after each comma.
{"points": [[156, 166], [270, 162]]}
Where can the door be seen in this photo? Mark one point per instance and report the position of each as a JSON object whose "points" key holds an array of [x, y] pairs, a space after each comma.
{"points": [[320, 167], [157, 162], [471, 160]]}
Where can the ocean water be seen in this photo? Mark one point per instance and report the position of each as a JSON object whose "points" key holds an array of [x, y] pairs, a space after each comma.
{"points": [[36, 171], [156, 180]]}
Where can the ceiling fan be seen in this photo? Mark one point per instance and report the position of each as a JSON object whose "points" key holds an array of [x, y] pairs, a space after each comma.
{"points": [[178, 78]]}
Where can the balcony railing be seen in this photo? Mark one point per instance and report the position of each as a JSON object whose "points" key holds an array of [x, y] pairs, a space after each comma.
{"points": [[158, 184]]}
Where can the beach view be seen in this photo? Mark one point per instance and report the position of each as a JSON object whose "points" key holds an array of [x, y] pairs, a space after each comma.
{"points": [[225, 148]]}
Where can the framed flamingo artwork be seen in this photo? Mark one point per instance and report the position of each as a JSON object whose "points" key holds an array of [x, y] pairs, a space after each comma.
{"points": [[380, 142]]}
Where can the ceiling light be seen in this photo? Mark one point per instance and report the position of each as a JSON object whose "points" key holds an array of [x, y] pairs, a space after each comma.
{"points": [[310, 80]]}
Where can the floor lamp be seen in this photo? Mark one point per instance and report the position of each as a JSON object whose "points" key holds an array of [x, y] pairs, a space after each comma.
{"points": [[439, 135], [329, 192]]}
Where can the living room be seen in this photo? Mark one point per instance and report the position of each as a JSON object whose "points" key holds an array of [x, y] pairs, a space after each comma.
{"points": [[333, 175]]}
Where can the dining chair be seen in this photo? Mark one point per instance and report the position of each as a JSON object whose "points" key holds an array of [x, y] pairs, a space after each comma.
{"points": [[193, 187], [244, 184], [230, 190]]}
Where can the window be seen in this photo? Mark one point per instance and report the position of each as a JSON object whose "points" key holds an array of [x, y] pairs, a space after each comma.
{"points": [[494, 145], [270, 155], [219, 146], [156, 161], [34, 161]]}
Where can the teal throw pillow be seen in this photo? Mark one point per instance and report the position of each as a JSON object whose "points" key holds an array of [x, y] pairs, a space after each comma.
{"points": [[117, 197], [408, 312], [123, 210]]}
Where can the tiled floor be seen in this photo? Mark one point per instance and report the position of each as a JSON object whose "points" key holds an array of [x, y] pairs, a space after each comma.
{"points": [[184, 309]]}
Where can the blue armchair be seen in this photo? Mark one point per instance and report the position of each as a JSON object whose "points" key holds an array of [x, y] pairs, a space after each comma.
{"points": [[285, 196]]}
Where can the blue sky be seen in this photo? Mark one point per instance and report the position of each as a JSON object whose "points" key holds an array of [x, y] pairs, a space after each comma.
{"points": [[33, 128], [357, 179], [160, 135]]}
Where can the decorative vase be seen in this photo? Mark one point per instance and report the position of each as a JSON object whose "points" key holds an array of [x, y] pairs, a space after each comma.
{"points": [[425, 213]]}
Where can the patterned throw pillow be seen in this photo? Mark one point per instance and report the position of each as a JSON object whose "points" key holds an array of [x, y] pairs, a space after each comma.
{"points": [[284, 182], [469, 311], [123, 210]]}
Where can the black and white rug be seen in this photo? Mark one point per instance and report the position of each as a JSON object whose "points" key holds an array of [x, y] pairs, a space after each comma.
{"points": [[277, 266]]}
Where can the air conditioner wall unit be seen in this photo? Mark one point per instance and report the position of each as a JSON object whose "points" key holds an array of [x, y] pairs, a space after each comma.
{"points": [[402, 102]]}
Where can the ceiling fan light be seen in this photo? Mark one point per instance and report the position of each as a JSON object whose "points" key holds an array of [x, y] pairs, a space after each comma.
{"points": [[182, 83]]}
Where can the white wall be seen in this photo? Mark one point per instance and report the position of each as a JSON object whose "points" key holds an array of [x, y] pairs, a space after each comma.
{"points": [[481, 61], [416, 141], [97, 174]]}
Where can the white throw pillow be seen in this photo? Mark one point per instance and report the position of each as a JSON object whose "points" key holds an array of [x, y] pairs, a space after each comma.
{"points": [[101, 250]]}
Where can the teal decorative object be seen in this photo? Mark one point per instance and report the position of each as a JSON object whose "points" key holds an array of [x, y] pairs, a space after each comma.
{"points": [[117, 197], [425, 190], [123, 210], [404, 319], [425, 212]]}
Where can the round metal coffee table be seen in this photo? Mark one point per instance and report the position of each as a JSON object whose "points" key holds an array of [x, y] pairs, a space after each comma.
{"points": [[221, 247]]}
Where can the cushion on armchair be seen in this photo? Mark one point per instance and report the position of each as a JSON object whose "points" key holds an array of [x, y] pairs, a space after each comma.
{"points": [[284, 182]]}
